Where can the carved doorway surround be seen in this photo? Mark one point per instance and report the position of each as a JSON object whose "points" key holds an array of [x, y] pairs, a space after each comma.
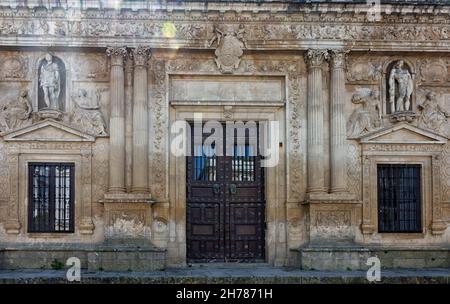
{"points": [[275, 177]]}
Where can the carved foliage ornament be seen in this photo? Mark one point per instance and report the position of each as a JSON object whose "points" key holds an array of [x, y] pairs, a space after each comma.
{"points": [[141, 55], [117, 54], [315, 57], [230, 46]]}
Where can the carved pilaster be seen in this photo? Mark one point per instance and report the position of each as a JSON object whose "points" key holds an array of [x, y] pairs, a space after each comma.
{"points": [[86, 224], [316, 166], [367, 226], [438, 225], [117, 120], [12, 225], [338, 164], [140, 121]]}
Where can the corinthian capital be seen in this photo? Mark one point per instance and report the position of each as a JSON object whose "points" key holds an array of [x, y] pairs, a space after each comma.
{"points": [[337, 58], [315, 57], [117, 54], [141, 54]]}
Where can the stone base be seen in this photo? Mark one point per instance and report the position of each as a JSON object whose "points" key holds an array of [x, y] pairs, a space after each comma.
{"points": [[50, 114], [355, 258], [117, 257], [106, 257]]}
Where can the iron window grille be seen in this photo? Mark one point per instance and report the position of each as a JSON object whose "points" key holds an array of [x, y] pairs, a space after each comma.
{"points": [[51, 197], [399, 198]]}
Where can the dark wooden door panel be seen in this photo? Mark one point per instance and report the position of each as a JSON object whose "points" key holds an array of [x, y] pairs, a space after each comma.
{"points": [[225, 206]]}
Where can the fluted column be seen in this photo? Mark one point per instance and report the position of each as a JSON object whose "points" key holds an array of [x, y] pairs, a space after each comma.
{"points": [[316, 170], [140, 121], [117, 120], [338, 164]]}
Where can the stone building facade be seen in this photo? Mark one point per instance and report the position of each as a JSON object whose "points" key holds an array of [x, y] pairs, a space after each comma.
{"points": [[90, 90]]}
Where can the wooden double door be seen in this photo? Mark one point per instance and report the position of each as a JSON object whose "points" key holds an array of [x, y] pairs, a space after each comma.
{"points": [[225, 201]]}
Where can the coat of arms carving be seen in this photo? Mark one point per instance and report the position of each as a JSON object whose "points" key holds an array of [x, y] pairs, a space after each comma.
{"points": [[230, 46]]}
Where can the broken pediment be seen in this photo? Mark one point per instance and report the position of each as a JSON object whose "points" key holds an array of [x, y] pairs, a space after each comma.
{"points": [[402, 134], [48, 130]]}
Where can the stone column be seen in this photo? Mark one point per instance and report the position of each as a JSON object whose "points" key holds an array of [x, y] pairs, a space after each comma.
{"points": [[117, 120], [338, 156], [316, 166], [140, 121]]}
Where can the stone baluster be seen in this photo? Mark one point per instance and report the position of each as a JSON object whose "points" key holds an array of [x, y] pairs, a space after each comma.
{"points": [[117, 120], [338, 155], [315, 151], [140, 121]]}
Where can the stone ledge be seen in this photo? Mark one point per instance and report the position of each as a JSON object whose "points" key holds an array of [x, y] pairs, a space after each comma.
{"points": [[212, 275]]}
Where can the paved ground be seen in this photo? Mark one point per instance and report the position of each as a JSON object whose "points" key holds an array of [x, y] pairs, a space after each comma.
{"points": [[250, 275]]}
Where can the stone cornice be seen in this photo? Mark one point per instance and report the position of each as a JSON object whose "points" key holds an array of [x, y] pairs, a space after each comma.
{"points": [[269, 26]]}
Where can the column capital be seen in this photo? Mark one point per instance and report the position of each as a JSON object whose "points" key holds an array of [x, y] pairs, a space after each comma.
{"points": [[117, 54], [315, 57], [338, 57], [141, 55]]}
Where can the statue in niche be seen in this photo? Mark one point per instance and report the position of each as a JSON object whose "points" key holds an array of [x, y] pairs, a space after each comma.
{"points": [[400, 88], [432, 116], [50, 82], [88, 118], [16, 113], [366, 118]]}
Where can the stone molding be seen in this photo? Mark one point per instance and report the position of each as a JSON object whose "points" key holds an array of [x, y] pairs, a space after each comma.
{"points": [[191, 28]]}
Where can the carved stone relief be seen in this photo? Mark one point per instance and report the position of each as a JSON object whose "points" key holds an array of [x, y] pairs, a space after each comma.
{"points": [[432, 116], [363, 69], [16, 113], [88, 118], [13, 67], [434, 71], [367, 117], [230, 45]]}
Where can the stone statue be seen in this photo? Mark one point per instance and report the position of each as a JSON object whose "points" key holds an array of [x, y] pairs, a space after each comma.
{"points": [[367, 118], [432, 116], [16, 113], [50, 82], [400, 88], [89, 119]]}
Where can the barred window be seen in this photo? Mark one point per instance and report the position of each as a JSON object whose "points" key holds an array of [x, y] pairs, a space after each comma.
{"points": [[51, 197], [399, 198]]}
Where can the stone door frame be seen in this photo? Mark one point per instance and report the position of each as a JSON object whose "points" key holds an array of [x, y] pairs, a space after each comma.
{"points": [[275, 236]]}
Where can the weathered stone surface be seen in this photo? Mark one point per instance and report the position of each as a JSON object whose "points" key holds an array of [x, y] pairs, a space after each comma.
{"points": [[347, 93]]}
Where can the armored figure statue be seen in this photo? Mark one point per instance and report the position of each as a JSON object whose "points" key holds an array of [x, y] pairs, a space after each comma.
{"points": [[50, 82], [16, 113], [400, 88]]}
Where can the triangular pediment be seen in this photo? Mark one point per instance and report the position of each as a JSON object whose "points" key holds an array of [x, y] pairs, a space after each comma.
{"points": [[403, 133], [48, 130]]}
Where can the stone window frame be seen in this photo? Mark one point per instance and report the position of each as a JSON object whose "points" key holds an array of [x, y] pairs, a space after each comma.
{"points": [[429, 206], [25, 160]]}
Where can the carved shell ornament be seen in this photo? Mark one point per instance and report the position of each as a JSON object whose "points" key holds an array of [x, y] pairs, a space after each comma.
{"points": [[230, 45]]}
